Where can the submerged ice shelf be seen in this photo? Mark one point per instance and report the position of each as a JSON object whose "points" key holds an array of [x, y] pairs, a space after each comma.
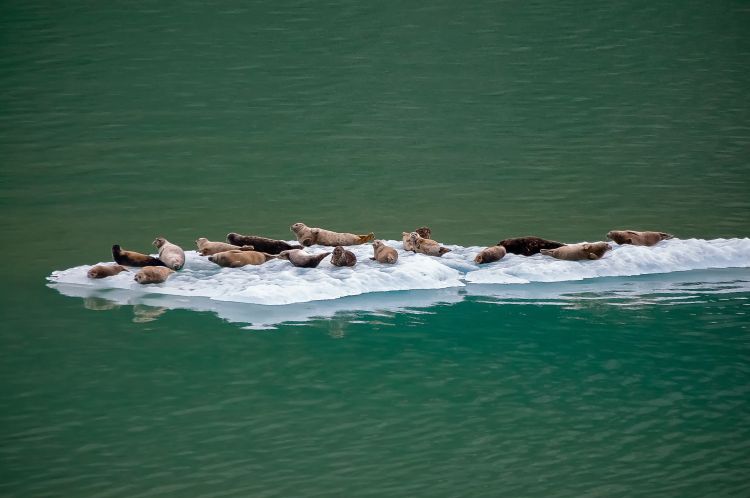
{"points": [[279, 283]]}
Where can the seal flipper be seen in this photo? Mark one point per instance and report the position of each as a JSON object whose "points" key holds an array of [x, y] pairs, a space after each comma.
{"points": [[366, 238], [444, 250], [546, 252], [247, 248], [666, 236]]}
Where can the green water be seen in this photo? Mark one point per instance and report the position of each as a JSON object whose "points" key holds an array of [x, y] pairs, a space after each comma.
{"points": [[484, 121]]}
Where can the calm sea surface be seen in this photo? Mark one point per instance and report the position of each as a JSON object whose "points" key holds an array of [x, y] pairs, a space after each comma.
{"points": [[483, 120]]}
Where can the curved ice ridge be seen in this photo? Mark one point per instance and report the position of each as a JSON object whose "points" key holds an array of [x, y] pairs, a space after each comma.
{"points": [[279, 283]]}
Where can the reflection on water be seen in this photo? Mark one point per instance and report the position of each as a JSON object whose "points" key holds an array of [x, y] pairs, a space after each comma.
{"points": [[647, 290]]}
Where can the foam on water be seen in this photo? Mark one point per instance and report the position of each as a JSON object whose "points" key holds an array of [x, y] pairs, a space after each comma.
{"points": [[279, 283]]}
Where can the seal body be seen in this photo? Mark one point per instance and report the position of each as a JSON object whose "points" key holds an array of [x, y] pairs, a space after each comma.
{"points": [[426, 246], [408, 245], [490, 255], [638, 238], [342, 257], [132, 258], [308, 236], [577, 252], [172, 254], [237, 258], [301, 259], [261, 244], [528, 246], [383, 253], [207, 248], [153, 274], [103, 271]]}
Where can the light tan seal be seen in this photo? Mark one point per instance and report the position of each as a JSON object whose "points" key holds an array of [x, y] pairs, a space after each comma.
{"points": [[577, 252], [308, 236], [153, 274], [490, 255], [301, 259], [383, 253], [104, 271], [342, 257], [171, 254], [638, 238], [237, 258], [207, 248], [426, 246]]}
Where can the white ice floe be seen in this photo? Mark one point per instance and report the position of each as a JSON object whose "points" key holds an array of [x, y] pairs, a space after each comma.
{"points": [[279, 283]]}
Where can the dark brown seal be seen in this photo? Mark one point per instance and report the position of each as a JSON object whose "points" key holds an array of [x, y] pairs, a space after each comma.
{"points": [[577, 252], [638, 238], [103, 271], [261, 244], [342, 257], [301, 259], [424, 232], [132, 258], [528, 246]]}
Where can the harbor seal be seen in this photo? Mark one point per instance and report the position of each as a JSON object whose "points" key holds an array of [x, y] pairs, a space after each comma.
{"points": [[237, 258], [153, 274], [406, 239], [383, 253], [207, 248], [528, 246], [424, 232], [342, 257], [638, 238], [426, 246], [132, 258], [490, 255], [301, 259], [261, 244], [171, 254], [103, 271], [308, 236], [577, 252]]}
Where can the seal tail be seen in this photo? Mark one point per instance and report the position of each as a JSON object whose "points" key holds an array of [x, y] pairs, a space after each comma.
{"points": [[666, 236], [546, 252], [443, 250], [363, 239]]}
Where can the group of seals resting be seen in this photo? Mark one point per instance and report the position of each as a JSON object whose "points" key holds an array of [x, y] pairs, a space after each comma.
{"points": [[241, 250]]}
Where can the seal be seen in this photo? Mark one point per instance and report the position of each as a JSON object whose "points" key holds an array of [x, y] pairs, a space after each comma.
{"points": [[308, 236], [406, 239], [237, 258], [426, 246], [301, 259], [153, 274], [424, 232], [490, 255], [342, 257], [383, 253], [638, 238], [207, 248], [103, 271], [528, 246], [261, 244], [171, 254], [577, 252], [132, 258]]}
